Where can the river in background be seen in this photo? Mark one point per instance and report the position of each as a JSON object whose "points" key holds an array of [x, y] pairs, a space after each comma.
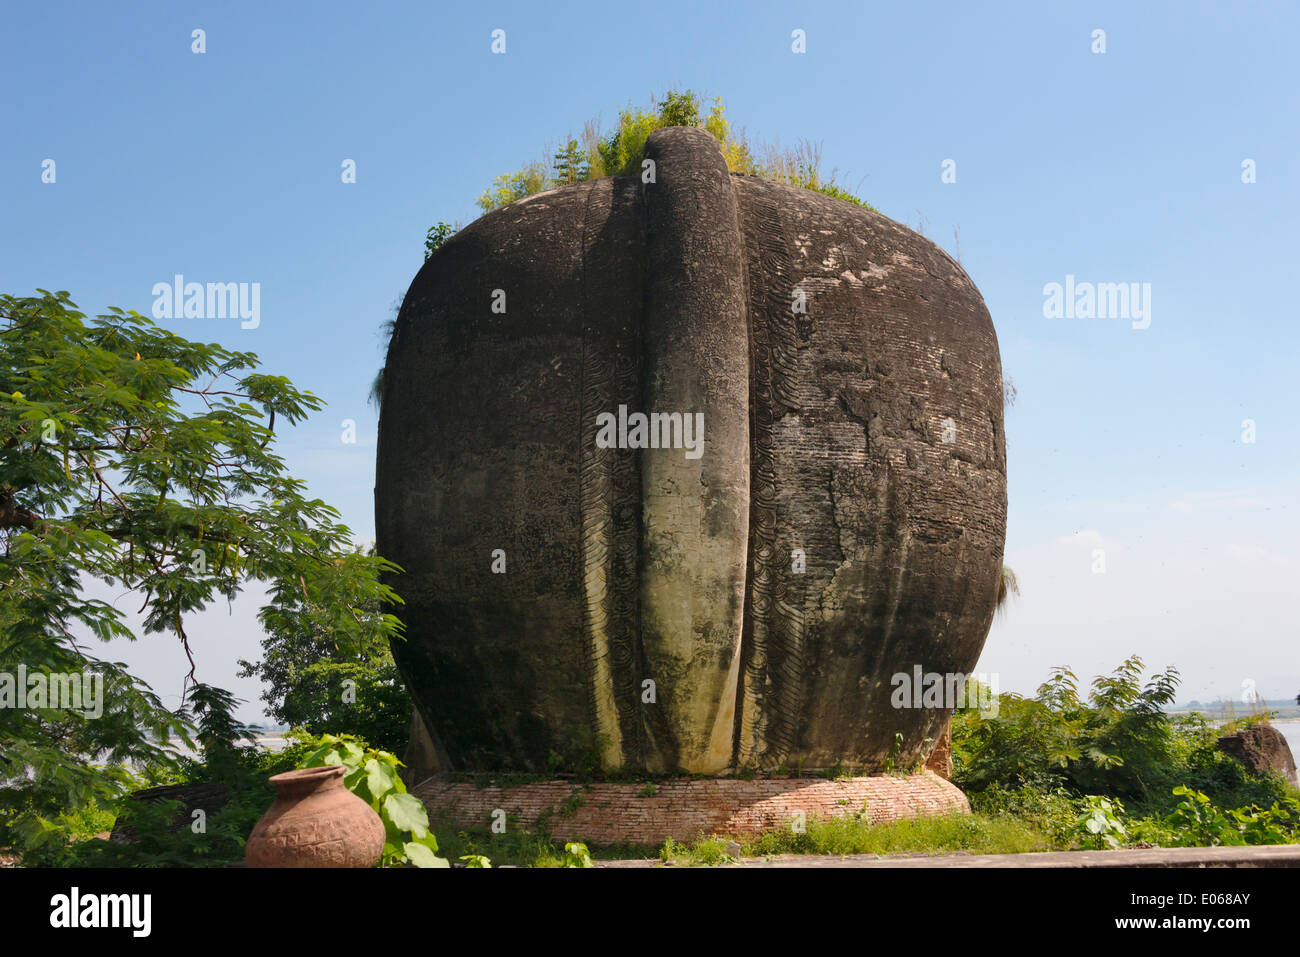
{"points": [[1290, 728]]}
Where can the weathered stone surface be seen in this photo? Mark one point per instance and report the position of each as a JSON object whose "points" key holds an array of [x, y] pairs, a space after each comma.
{"points": [[421, 755], [1262, 749], [864, 431], [940, 760]]}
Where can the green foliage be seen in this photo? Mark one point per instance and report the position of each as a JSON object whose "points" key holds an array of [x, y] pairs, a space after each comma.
{"points": [[1117, 743], [310, 682], [892, 758], [705, 852], [856, 834], [570, 164], [1116, 769], [1054, 814], [159, 834], [576, 855], [509, 187], [373, 776], [139, 460], [1100, 826], [1197, 822], [214, 714], [516, 846], [435, 237], [620, 152], [1008, 585]]}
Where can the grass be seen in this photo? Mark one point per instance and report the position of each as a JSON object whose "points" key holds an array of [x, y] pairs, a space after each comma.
{"points": [[947, 834], [520, 848]]}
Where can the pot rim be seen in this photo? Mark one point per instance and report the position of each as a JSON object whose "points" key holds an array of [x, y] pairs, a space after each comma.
{"points": [[306, 775]]}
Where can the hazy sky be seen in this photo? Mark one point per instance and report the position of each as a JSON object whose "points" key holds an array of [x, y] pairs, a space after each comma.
{"points": [[1122, 166]]}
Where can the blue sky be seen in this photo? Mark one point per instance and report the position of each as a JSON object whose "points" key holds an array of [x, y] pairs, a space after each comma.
{"points": [[1115, 167]]}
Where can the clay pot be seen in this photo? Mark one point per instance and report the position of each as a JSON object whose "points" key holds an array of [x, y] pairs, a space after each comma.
{"points": [[315, 822]]}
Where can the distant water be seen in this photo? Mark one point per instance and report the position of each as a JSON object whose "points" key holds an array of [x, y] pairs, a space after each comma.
{"points": [[271, 740], [1290, 729]]}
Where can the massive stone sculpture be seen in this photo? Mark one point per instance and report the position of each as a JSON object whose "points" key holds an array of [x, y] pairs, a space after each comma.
{"points": [[743, 604]]}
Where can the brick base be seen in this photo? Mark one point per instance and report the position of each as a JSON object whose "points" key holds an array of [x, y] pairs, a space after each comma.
{"points": [[686, 808]]}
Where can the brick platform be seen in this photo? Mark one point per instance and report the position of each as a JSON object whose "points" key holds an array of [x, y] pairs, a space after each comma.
{"points": [[685, 809]]}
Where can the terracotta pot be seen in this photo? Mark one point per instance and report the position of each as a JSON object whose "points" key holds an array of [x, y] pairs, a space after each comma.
{"points": [[315, 822]]}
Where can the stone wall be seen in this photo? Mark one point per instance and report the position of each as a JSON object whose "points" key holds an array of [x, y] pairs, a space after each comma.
{"points": [[685, 809]]}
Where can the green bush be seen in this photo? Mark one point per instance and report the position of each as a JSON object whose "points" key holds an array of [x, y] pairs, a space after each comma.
{"points": [[1118, 744], [620, 152], [1114, 769], [1100, 826], [1054, 814], [1196, 821]]}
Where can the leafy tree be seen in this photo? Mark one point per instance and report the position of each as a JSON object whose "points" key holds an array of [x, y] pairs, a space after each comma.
{"points": [[213, 715], [312, 683], [570, 165], [135, 459]]}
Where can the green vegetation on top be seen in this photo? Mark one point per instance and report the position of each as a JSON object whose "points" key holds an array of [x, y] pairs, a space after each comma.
{"points": [[619, 152]]}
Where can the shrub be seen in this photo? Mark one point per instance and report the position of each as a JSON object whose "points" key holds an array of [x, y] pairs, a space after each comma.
{"points": [[620, 152], [1119, 743]]}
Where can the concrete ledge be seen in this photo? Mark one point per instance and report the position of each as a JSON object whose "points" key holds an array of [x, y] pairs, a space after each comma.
{"points": [[687, 808], [1273, 855]]}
